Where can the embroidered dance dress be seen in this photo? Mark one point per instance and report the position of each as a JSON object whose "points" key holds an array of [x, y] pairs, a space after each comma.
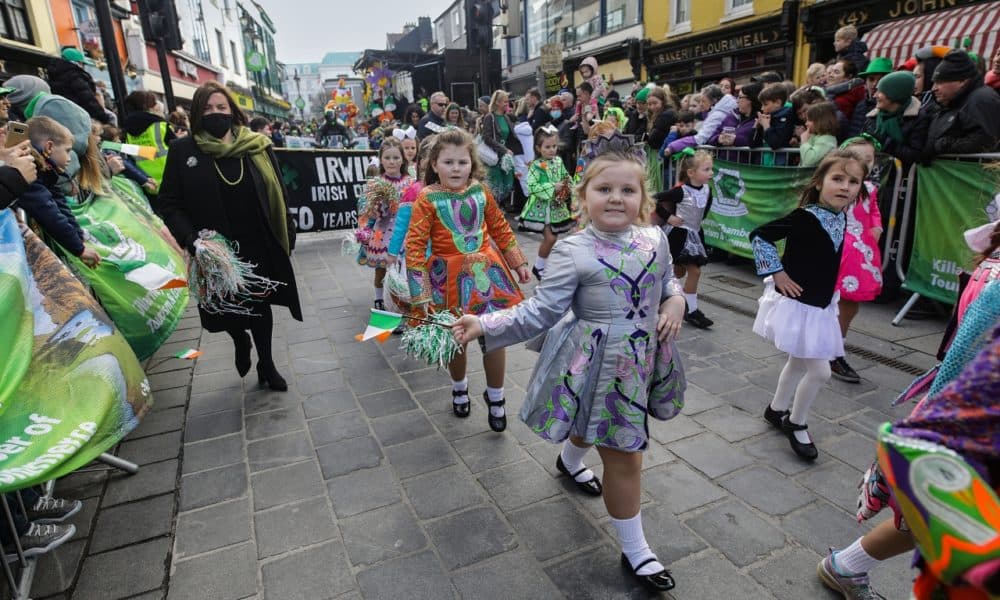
{"points": [[861, 264], [807, 326], [472, 251], [544, 207], [601, 372], [690, 204], [379, 219]]}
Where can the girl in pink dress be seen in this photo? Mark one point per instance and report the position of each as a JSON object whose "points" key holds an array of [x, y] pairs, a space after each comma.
{"points": [[860, 276]]}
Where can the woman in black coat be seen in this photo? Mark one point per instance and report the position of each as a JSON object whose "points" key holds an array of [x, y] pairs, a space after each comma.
{"points": [[225, 178]]}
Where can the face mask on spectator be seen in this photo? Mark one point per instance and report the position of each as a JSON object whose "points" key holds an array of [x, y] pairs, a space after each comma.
{"points": [[556, 114], [217, 124]]}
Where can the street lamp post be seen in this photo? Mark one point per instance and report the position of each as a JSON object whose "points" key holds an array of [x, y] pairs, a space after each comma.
{"points": [[298, 89]]}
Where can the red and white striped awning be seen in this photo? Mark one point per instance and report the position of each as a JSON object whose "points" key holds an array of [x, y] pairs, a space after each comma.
{"points": [[899, 39]]}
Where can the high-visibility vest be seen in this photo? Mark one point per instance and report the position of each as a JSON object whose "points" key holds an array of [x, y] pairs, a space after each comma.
{"points": [[155, 136]]}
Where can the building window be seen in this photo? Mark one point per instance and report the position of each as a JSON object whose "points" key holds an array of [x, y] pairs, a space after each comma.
{"points": [[619, 14], [456, 29], [14, 22], [222, 48], [680, 17], [586, 23], [737, 9], [236, 57]]}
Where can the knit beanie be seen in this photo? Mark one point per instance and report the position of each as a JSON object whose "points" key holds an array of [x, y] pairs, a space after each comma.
{"points": [[897, 86], [956, 66], [642, 94], [27, 86]]}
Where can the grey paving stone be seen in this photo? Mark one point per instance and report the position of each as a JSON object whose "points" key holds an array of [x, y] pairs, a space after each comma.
{"points": [[834, 481], [315, 574], [454, 428], [83, 520], [315, 383], [262, 400], [275, 422], [697, 400], [335, 428], [216, 381], [553, 528], [134, 522], [56, 572], [519, 484], [775, 451], [82, 485], [213, 453], [751, 400], [279, 451], [427, 379], [705, 346], [151, 449], [488, 450], [363, 490], [216, 485], [709, 575], [732, 424], [852, 448], [596, 575], [229, 574], [767, 490], [742, 536], [832, 405], [170, 379], [214, 425], [417, 576], [434, 401], [710, 454], [155, 423], [329, 403], [868, 421], [670, 539], [468, 537], [387, 402], [422, 455], [151, 480], [171, 398], [820, 526], [492, 579], [381, 534], [345, 456], [367, 381], [318, 348], [308, 365], [147, 568], [680, 488], [285, 484], [678, 428], [443, 492], [292, 526], [736, 362], [791, 576], [213, 402], [403, 427], [214, 527]]}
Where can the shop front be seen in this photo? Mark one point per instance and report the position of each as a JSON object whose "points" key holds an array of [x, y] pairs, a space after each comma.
{"points": [[618, 63], [738, 52], [897, 28], [186, 74]]}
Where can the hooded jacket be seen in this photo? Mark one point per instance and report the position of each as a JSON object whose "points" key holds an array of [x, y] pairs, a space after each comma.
{"points": [[71, 81], [595, 80], [968, 125]]}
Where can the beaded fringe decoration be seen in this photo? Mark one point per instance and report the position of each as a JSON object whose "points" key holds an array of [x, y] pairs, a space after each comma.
{"points": [[220, 281], [433, 344]]}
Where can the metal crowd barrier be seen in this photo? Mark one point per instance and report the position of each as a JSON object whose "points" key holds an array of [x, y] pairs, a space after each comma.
{"points": [[743, 155]]}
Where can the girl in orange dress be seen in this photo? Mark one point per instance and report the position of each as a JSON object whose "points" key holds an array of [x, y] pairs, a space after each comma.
{"points": [[473, 252]]}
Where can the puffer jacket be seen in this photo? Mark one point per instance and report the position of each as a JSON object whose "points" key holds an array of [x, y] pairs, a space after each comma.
{"points": [[914, 125], [968, 125], [71, 81]]}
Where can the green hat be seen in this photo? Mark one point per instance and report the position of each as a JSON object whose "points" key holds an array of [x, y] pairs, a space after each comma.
{"points": [[898, 86], [642, 94], [878, 66], [75, 55], [6, 90]]}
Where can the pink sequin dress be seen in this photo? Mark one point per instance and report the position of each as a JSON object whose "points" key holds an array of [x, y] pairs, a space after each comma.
{"points": [[860, 276]]}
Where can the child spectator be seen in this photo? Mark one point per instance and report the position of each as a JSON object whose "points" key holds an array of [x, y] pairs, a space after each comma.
{"points": [[820, 136], [775, 121], [850, 48], [684, 126], [43, 201], [110, 133]]}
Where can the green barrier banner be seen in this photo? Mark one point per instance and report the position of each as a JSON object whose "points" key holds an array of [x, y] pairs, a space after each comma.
{"points": [[952, 196], [745, 197], [82, 389], [129, 236]]}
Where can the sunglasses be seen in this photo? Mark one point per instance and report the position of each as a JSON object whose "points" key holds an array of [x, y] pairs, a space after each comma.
{"points": [[440, 104]]}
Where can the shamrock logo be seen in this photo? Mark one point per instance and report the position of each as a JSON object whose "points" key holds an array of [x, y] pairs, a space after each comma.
{"points": [[290, 177]]}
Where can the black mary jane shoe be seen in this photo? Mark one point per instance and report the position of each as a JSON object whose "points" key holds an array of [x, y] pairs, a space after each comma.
{"points": [[242, 345], [497, 424], [775, 417], [807, 451], [656, 582], [537, 273], [461, 409], [591, 487], [271, 378]]}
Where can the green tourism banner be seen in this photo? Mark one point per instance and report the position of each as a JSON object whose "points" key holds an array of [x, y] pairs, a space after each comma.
{"points": [[952, 196], [82, 389], [745, 197], [140, 278]]}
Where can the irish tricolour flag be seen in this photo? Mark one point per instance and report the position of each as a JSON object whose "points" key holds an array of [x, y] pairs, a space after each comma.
{"points": [[380, 325]]}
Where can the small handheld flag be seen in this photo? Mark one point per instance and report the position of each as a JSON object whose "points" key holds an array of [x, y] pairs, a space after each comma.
{"points": [[380, 325], [189, 354], [146, 152]]}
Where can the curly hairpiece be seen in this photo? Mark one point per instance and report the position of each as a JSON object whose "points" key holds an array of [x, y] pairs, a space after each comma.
{"points": [[451, 136]]}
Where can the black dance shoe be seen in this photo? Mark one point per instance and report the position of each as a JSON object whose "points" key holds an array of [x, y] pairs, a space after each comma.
{"points": [[270, 377], [698, 319], [774, 417], [537, 273], [461, 409], [591, 487], [807, 451], [497, 424], [242, 344], [656, 582]]}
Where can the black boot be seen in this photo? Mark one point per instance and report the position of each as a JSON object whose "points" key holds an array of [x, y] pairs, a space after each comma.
{"points": [[242, 345], [268, 375]]}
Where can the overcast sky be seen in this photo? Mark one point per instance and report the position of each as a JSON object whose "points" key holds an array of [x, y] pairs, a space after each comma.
{"points": [[308, 29]]}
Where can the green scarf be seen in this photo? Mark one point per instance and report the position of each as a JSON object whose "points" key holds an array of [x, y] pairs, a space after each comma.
{"points": [[256, 145], [888, 124]]}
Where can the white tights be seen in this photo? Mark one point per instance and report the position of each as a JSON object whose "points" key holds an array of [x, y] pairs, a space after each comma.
{"points": [[798, 386]]}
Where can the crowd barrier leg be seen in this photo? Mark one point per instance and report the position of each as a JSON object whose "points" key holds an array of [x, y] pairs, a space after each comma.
{"points": [[906, 308], [897, 191], [119, 463], [904, 234], [20, 587]]}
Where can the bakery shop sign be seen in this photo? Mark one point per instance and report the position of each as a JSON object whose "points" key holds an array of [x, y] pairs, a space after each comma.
{"points": [[735, 42]]}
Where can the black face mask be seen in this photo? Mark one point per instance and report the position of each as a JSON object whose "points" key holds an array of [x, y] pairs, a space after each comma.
{"points": [[217, 124]]}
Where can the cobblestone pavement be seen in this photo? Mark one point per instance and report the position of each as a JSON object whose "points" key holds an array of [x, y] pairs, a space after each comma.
{"points": [[359, 483]]}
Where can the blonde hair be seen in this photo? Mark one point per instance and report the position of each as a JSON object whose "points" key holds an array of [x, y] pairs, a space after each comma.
{"points": [[602, 163], [847, 33], [43, 129], [815, 70], [451, 137], [601, 129], [496, 98], [91, 176], [688, 162]]}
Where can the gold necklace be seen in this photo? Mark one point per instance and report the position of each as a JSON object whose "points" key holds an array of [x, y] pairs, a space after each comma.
{"points": [[219, 171]]}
